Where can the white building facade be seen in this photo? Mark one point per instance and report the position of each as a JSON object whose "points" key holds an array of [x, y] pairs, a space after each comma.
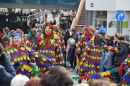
{"points": [[104, 11]]}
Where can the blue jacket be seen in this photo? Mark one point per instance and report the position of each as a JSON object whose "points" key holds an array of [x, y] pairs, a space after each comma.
{"points": [[7, 71], [108, 59]]}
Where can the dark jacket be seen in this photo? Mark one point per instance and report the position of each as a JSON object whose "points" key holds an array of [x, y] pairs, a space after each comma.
{"points": [[66, 37], [75, 36], [71, 54], [122, 53], [7, 71]]}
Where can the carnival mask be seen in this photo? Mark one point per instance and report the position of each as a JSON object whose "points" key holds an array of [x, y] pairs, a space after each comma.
{"points": [[33, 31], [48, 30], [91, 30]]}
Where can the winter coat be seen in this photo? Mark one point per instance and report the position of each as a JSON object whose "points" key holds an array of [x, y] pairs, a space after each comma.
{"points": [[108, 59], [123, 52], [71, 53], [7, 71], [66, 37], [75, 36]]}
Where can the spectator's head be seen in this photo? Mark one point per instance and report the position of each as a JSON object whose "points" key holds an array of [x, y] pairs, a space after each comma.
{"points": [[108, 39], [17, 39], [19, 80], [58, 76], [33, 82], [102, 82], [121, 38], [116, 36], [126, 37], [6, 29]]}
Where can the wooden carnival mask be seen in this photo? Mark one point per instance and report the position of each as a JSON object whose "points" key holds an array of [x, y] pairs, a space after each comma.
{"points": [[91, 30], [33, 31], [48, 30]]}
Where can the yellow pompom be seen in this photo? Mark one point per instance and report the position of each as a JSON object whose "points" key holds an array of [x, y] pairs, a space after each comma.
{"points": [[19, 59], [24, 57], [44, 59], [11, 51], [8, 52], [44, 68], [15, 59], [15, 49], [60, 62], [28, 49], [88, 49], [36, 55], [22, 48], [12, 63], [52, 41]]}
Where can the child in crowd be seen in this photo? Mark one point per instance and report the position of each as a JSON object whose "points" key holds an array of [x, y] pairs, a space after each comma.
{"points": [[108, 55], [71, 53]]}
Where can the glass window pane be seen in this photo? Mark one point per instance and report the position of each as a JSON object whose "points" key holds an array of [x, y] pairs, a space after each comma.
{"points": [[68, 2]]}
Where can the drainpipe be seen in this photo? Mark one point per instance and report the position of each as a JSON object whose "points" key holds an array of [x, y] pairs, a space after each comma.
{"points": [[79, 11]]}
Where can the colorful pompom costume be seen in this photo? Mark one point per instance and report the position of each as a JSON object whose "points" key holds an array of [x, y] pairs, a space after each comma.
{"points": [[22, 56], [3, 39], [89, 52], [32, 40], [49, 45], [126, 77]]}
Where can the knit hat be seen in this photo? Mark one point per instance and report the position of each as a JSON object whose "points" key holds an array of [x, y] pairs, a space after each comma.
{"points": [[102, 29], [19, 80], [71, 41], [126, 37], [33, 82], [17, 34]]}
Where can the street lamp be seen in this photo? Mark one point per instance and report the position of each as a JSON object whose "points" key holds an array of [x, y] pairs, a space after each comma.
{"points": [[75, 12], [69, 13], [3, 11], [13, 10]]}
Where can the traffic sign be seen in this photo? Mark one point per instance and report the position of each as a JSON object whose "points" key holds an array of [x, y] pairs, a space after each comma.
{"points": [[120, 16]]}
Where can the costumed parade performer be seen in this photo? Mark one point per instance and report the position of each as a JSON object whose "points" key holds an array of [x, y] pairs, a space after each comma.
{"points": [[89, 52], [6, 30], [31, 36], [21, 57], [3, 38], [10, 36], [60, 37], [48, 45], [126, 77]]}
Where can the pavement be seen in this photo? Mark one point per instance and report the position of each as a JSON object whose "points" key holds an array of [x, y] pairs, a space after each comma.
{"points": [[83, 81], [75, 81]]}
